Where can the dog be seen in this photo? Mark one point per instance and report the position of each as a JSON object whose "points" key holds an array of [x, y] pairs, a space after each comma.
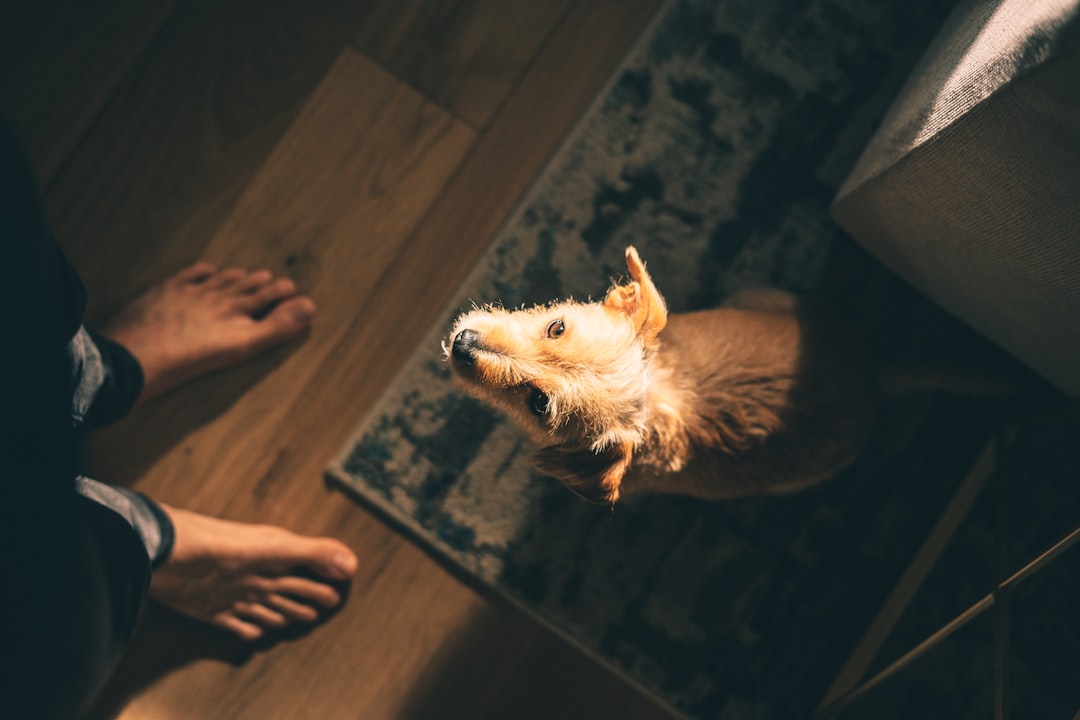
{"points": [[766, 394]]}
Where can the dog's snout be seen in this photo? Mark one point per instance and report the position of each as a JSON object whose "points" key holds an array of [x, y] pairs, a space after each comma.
{"points": [[464, 345]]}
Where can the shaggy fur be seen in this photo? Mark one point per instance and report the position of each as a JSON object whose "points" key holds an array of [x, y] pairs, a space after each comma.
{"points": [[765, 394]]}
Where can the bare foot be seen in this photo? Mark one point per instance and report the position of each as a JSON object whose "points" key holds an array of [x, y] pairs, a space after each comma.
{"points": [[203, 319], [245, 578]]}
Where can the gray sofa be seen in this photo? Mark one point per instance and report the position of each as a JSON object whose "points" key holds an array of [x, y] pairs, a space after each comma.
{"points": [[970, 189]]}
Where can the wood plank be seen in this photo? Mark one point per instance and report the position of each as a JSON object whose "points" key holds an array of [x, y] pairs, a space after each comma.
{"points": [[411, 637], [549, 674], [185, 132], [465, 55], [60, 61]]}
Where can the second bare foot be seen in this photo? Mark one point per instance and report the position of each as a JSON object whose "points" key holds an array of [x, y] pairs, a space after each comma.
{"points": [[247, 579]]}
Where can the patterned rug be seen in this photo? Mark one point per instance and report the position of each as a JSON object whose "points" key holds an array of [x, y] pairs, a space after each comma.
{"points": [[715, 149]]}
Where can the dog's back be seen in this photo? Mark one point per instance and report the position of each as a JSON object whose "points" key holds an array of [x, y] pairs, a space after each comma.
{"points": [[766, 399]]}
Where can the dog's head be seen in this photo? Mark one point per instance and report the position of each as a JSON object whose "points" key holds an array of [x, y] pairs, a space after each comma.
{"points": [[571, 374]]}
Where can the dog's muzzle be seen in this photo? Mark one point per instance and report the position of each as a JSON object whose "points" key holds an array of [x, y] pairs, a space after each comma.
{"points": [[464, 346]]}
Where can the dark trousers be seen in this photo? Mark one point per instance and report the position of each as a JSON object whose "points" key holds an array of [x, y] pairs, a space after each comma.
{"points": [[77, 554]]}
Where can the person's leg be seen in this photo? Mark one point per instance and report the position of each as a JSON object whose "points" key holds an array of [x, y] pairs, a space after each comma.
{"points": [[77, 568], [243, 578], [150, 522], [75, 574], [106, 380]]}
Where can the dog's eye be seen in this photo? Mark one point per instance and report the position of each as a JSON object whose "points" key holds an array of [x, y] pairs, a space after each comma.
{"points": [[538, 402], [556, 328]]}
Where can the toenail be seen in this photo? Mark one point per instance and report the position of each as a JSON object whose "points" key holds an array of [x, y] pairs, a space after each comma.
{"points": [[303, 311], [345, 563]]}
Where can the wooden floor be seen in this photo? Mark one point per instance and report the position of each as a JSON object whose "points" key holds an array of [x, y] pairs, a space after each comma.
{"points": [[370, 150]]}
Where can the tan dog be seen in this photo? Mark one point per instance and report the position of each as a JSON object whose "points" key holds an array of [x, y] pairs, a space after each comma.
{"points": [[768, 394]]}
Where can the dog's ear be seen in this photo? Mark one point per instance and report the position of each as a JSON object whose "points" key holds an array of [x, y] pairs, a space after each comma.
{"points": [[593, 476], [639, 299]]}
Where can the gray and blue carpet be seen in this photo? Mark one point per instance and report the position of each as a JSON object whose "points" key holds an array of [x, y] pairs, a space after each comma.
{"points": [[716, 149]]}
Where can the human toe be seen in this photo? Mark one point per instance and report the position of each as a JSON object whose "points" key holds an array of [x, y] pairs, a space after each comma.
{"points": [[293, 610], [330, 559], [267, 294], [260, 614], [225, 278], [335, 560], [196, 273], [253, 281], [310, 592], [284, 322], [243, 629]]}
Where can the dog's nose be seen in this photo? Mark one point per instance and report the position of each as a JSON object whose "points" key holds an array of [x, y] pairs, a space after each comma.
{"points": [[464, 343]]}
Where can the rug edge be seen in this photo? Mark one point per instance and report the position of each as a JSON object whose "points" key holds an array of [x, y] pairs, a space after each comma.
{"points": [[396, 522]]}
